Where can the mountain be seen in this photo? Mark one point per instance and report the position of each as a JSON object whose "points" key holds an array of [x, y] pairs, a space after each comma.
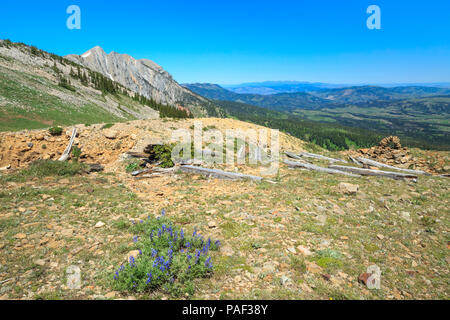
{"points": [[362, 94], [39, 89], [421, 116], [280, 102], [274, 87], [144, 77]]}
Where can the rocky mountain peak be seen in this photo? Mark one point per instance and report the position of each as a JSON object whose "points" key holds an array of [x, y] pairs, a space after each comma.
{"points": [[142, 76]]}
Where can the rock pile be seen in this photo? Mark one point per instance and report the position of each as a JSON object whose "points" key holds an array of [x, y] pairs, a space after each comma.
{"points": [[391, 152]]}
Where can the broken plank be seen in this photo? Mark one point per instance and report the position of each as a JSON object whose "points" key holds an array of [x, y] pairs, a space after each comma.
{"points": [[371, 172], [66, 154], [293, 156], [309, 166], [219, 173], [320, 157], [382, 165]]}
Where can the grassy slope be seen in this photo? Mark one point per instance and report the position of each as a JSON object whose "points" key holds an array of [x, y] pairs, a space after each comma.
{"points": [[26, 105]]}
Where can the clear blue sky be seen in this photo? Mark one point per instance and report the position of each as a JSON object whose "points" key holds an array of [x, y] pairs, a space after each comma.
{"points": [[232, 41]]}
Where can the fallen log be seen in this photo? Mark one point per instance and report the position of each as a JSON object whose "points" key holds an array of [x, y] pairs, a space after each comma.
{"points": [[320, 157], [309, 166], [371, 172], [139, 172], [355, 161], [152, 171], [219, 173], [152, 175], [66, 153], [293, 156], [139, 155], [382, 165]]}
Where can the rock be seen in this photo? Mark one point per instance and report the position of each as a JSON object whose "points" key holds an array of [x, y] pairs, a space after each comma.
{"points": [[312, 267], [133, 253], [39, 262], [110, 134], [291, 250], [212, 224], [269, 267], [227, 251], [348, 188], [326, 276], [304, 251], [111, 295], [20, 236], [380, 236], [99, 224], [67, 232], [405, 215], [363, 277], [284, 281]]}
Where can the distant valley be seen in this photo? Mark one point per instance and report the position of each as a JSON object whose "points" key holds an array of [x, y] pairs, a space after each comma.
{"points": [[419, 114]]}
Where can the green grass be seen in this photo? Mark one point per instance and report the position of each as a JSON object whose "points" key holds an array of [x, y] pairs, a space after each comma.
{"points": [[46, 168], [30, 105]]}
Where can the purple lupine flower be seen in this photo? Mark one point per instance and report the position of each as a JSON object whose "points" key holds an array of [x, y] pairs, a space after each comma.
{"points": [[163, 212], [149, 278]]}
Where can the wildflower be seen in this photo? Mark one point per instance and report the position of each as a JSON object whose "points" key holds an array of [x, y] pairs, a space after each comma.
{"points": [[217, 243], [154, 253], [208, 263], [135, 239], [149, 278], [140, 252], [163, 212]]}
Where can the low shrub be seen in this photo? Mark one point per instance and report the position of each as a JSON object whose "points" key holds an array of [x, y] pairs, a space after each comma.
{"points": [[168, 259], [76, 153], [55, 131]]}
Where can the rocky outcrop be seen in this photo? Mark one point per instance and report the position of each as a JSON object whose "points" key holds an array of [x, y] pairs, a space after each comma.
{"points": [[144, 77], [390, 151]]}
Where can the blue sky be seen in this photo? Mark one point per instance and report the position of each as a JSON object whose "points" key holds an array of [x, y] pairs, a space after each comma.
{"points": [[230, 41]]}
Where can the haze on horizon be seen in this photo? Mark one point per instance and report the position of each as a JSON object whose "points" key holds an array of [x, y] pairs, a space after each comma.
{"points": [[238, 42]]}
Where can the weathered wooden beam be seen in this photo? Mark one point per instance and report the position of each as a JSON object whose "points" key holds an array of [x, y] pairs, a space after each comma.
{"points": [[355, 161], [382, 165], [309, 166], [219, 173], [371, 172], [320, 157], [66, 153], [140, 155], [293, 156]]}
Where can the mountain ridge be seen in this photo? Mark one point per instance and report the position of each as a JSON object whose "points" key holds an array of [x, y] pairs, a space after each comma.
{"points": [[144, 77]]}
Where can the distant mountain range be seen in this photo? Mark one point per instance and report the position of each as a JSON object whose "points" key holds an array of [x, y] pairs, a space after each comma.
{"points": [[274, 87], [316, 99], [418, 112]]}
